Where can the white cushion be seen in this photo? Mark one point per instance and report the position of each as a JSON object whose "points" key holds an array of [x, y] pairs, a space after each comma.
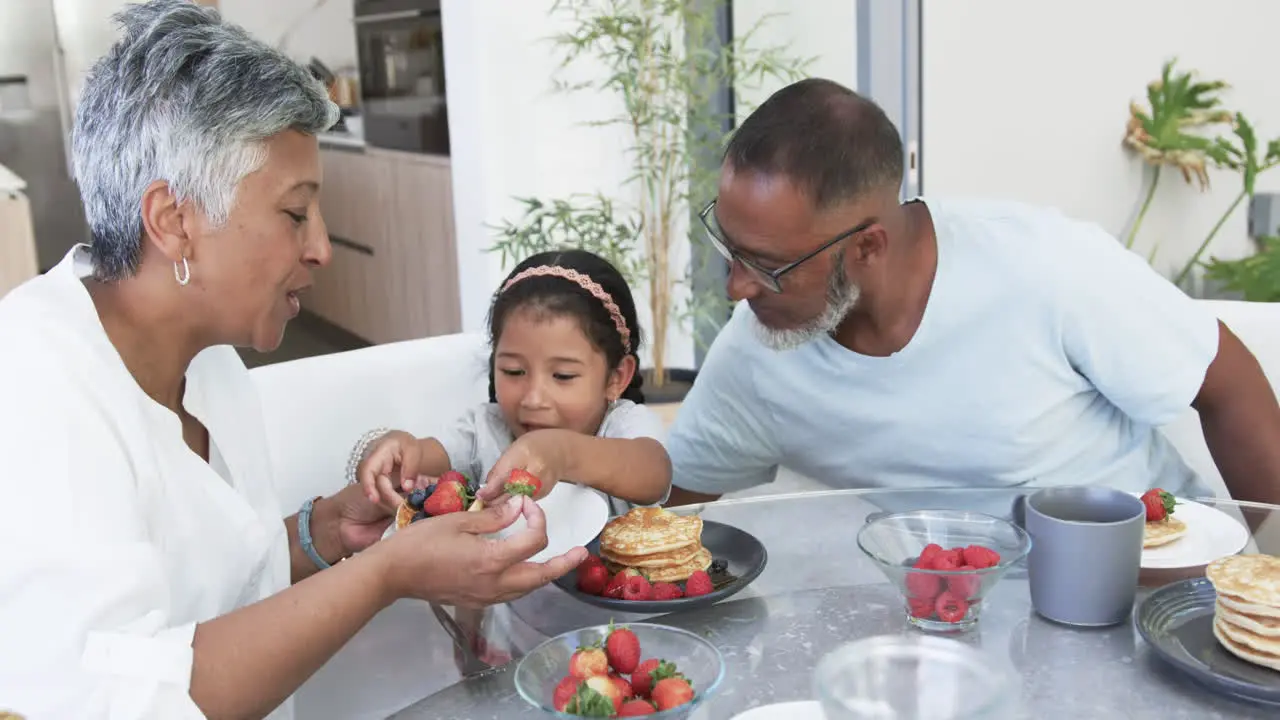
{"points": [[317, 408]]}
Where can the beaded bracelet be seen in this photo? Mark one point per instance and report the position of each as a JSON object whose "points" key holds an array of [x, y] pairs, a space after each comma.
{"points": [[358, 452]]}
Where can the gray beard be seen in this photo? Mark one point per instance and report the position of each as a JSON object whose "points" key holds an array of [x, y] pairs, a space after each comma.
{"points": [[842, 296]]}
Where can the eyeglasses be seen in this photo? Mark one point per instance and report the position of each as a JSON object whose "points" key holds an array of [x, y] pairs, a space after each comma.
{"points": [[768, 278]]}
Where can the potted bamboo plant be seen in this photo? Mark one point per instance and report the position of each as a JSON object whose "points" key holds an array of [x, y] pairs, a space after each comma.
{"points": [[643, 46]]}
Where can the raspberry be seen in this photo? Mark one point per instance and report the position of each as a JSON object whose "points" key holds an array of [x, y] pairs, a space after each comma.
{"points": [[667, 591], [637, 588], [698, 583]]}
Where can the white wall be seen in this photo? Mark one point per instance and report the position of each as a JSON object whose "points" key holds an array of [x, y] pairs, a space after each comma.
{"points": [[26, 47], [1029, 101], [512, 136], [824, 30]]}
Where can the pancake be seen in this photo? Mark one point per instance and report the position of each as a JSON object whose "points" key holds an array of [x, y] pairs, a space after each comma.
{"points": [[648, 530], [1163, 532], [1251, 579], [1268, 627], [656, 560], [1240, 606], [672, 573], [404, 515], [1239, 643]]}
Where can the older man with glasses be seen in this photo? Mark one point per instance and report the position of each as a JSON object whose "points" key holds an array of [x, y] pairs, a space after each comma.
{"points": [[940, 342]]}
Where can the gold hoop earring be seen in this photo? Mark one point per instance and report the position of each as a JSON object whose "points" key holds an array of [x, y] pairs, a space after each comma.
{"points": [[183, 277]]}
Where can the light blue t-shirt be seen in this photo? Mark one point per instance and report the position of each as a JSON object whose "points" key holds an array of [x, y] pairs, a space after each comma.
{"points": [[1047, 355]]}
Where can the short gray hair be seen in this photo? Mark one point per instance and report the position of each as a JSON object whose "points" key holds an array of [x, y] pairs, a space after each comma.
{"points": [[186, 98]]}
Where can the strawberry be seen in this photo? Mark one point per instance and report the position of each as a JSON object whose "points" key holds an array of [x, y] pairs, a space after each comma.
{"points": [[588, 662], [624, 686], [454, 476], [637, 588], [671, 692], [450, 496], [964, 586], [522, 482], [950, 607], [636, 708], [623, 650], [980, 557], [615, 586], [642, 678], [601, 685], [593, 580], [667, 591], [591, 561], [1159, 504], [564, 692], [699, 583]]}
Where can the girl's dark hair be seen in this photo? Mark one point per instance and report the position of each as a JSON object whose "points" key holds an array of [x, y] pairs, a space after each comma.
{"points": [[563, 297]]}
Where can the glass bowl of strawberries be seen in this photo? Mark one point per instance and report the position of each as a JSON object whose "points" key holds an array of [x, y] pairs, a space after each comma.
{"points": [[943, 561], [624, 671]]}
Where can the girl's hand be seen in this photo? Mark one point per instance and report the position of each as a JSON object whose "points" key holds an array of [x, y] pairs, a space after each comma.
{"points": [[541, 453], [393, 460]]}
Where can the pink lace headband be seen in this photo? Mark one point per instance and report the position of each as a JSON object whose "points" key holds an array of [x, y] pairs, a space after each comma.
{"points": [[585, 283]]}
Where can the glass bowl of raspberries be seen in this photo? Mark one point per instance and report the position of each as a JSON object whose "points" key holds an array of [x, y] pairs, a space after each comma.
{"points": [[943, 561], [621, 671]]}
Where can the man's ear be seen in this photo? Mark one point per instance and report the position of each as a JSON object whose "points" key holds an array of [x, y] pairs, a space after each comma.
{"points": [[165, 222], [869, 246]]}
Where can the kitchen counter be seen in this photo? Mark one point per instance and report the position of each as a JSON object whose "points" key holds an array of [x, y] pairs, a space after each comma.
{"points": [[17, 237]]}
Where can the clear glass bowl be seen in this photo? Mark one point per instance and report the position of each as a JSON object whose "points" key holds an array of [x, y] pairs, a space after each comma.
{"points": [[894, 542], [912, 677], [697, 659]]}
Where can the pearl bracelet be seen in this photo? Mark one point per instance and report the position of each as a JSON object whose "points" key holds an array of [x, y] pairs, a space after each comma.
{"points": [[358, 452]]}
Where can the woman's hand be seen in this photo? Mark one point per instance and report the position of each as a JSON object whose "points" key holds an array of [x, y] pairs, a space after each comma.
{"points": [[448, 559], [393, 459], [542, 453], [360, 522]]}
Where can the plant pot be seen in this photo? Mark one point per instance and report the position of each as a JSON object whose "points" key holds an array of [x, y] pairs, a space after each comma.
{"points": [[677, 383]]}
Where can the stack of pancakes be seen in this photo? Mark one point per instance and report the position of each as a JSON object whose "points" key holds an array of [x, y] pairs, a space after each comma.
{"points": [[1246, 618], [663, 546]]}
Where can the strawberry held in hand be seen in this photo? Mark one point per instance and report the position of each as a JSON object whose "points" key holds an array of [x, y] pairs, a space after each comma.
{"points": [[450, 496], [1159, 504], [522, 482]]}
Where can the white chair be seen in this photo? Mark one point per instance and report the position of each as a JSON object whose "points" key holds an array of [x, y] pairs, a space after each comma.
{"points": [[1258, 327], [315, 410]]}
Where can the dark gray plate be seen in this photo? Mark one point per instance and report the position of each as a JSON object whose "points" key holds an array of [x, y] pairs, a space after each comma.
{"points": [[742, 551], [1177, 622]]}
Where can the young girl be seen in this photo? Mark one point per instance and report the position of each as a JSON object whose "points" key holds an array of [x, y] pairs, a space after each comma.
{"points": [[564, 395]]}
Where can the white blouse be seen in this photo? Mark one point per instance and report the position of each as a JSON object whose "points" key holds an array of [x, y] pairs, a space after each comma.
{"points": [[117, 539]]}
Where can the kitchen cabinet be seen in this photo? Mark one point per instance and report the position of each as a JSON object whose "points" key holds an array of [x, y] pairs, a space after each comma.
{"points": [[394, 270]]}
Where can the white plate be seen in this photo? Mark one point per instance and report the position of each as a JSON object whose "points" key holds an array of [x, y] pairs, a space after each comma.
{"points": [[1211, 534], [575, 516], [802, 710]]}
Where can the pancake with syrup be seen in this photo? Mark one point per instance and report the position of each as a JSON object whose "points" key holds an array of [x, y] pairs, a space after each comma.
{"points": [[663, 546]]}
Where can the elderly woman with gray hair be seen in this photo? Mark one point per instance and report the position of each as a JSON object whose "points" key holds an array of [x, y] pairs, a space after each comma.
{"points": [[148, 571]]}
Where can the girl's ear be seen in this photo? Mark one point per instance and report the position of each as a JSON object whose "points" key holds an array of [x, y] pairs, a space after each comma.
{"points": [[620, 378]]}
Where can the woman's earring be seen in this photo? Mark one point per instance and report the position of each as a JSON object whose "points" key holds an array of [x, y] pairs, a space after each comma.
{"points": [[184, 276]]}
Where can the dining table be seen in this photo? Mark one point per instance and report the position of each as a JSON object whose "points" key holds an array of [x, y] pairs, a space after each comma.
{"points": [[819, 591]]}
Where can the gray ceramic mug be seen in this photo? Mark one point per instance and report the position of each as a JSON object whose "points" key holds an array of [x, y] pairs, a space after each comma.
{"points": [[1086, 553]]}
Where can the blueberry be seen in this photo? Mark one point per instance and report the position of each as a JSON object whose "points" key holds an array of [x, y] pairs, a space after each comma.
{"points": [[719, 566], [417, 497], [420, 515]]}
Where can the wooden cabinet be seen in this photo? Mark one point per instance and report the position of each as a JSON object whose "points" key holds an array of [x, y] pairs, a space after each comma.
{"points": [[394, 270]]}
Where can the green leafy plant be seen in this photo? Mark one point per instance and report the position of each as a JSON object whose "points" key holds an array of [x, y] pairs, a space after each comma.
{"points": [[1242, 158], [1166, 133], [1257, 277], [673, 151]]}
